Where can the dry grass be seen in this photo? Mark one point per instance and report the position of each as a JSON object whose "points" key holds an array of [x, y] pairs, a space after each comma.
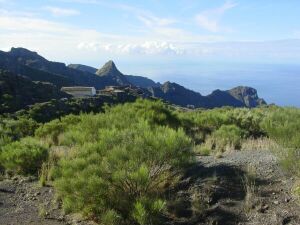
{"points": [[250, 188], [202, 150], [46, 172], [259, 144]]}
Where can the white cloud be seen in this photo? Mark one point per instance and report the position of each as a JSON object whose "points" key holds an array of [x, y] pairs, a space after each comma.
{"points": [[56, 11], [210, 19], [64, 42], [27, 24], [145, 48]]}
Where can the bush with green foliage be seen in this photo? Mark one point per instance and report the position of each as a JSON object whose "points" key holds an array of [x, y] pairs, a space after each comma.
{"points": [[16, 129], [121, 163], [227, 135], [23, 157], [51, 131], [283, 126], [125, 170], [116, 166]]}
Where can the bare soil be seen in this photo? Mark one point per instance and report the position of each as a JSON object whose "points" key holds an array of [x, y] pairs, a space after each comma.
{"points": [[229, 200]]}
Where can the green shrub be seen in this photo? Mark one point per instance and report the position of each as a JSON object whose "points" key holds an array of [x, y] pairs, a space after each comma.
{"points": [[155, 112], [202, 150], [51, 131], [227, 135], [16, 129], [110, 217], [290, 160], [147, 210], [121, 170], [248, 120], [283, 126], [24, 157]]}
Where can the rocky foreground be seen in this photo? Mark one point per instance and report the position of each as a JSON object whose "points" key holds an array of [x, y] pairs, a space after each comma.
{"points": [[242, 187]]}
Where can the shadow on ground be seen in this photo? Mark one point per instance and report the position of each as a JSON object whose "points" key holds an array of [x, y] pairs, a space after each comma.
{"points": [[209, 195]]}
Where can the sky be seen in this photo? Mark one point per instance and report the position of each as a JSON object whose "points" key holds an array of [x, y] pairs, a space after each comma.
{"points": [[155, 38]]}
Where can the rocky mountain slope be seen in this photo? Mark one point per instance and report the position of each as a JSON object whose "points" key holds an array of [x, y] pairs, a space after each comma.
{"points": [[179, 95], [16, 92], [30, 64], [235, 97]]}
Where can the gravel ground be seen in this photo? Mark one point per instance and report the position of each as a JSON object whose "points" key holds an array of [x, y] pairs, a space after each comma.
{"points": [[267, 200]]}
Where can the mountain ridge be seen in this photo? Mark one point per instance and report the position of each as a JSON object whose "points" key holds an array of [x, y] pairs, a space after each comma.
{"points": [[30, 64]]}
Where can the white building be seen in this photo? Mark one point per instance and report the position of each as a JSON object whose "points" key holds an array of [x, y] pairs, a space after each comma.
{"points": [[79, 92]]}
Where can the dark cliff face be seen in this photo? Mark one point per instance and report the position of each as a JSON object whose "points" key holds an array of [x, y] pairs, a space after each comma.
{"points": [[179, 95], [236, 97], [247, 95], [30, 64], [220, 98]]}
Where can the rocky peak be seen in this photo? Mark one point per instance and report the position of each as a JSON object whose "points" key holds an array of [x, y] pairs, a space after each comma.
{"points": [[109, 68], [110, 71]]}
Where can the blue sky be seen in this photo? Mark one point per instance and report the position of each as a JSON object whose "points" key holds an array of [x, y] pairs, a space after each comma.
{"points": [[92, 31]]}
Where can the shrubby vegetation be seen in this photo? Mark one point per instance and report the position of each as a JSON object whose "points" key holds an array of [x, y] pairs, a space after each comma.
{"points": [[23, 157], [283, 125], [117, 166], [125, 170], [120, 163], [227, 135], [47, 111]]}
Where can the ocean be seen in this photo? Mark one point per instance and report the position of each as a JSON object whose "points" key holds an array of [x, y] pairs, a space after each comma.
{"points": [[276, 83]]}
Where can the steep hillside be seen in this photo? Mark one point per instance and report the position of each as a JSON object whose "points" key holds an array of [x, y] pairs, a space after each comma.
{"points": [[179, 95], [20, 60], [11, 64], [83, 68], [16, 92]]}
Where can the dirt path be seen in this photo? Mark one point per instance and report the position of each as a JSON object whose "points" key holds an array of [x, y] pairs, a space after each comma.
{"points": [[214, 192], [241, 188], [24, 202]]}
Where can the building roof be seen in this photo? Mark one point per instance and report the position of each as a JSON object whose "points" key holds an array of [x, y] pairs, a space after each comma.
{"points": [[77, 88]]}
